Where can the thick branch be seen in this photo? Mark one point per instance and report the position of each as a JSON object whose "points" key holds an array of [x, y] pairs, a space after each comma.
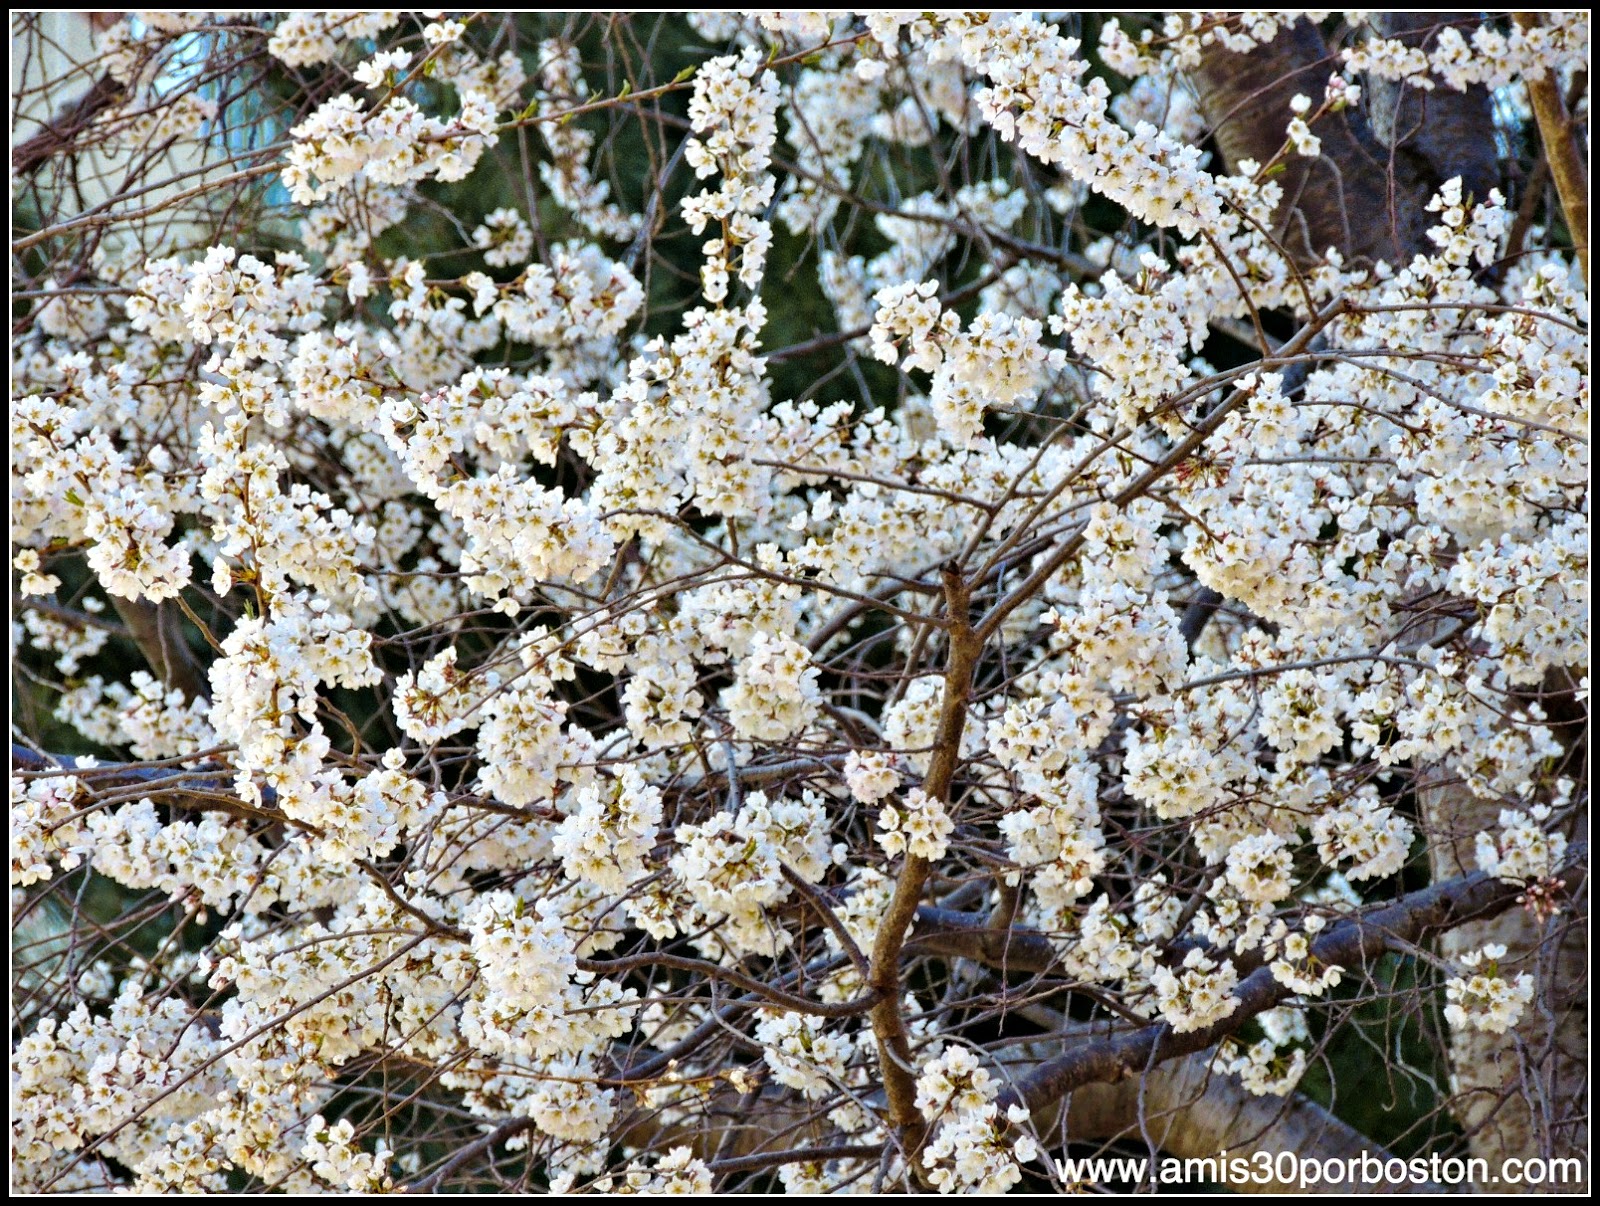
{"points": [[970, 936], [1567, 164], [1190, 1112], [1354, 942]]}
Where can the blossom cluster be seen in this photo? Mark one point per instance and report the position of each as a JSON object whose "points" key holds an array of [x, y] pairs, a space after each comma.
{"points": [[1484, 999], [536, 635], [969, 1151]]}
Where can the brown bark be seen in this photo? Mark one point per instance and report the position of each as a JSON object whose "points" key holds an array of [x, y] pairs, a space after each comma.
{"points": [[1568, 165], [1445, 132], [1355, 196], [157, 629], [1189, 1112], [888, 1025]]}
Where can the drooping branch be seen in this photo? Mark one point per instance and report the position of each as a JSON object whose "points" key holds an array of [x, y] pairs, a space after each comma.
{"points": [[61, 132], [1353, 942]]}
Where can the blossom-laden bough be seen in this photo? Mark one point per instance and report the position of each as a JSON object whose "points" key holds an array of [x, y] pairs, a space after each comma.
{"points": [[793, 602]]}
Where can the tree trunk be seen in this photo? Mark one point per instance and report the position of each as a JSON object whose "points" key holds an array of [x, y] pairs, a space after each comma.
{"points": [[1523, 1093], [1347, 197]]}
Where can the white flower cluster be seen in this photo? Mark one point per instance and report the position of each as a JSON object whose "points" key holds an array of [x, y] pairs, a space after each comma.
{"points": [[1137, 333], [922, 830], [341, 144], [34, 582], [871, 775], [1187, 765], [88, 487], [504, 237], [997, 361], [579, 297], [1060, 841], [803, 1054], [1361, 828], [1523, 849], [775, 693], [1201, 996], [679, 427], [1036, 97], [1297, 968], [72, 640], [373, 816], [606, 841], [45, 827], [267, 678], [1536, 592], [733, 111], [1489, 57], [439, 701], [909, 724], [534, 1000], [920, 234], [829, 116], [226, 298], [525, 755], [155, 722], [1260, 868], [334, 1156], [1182, 38], [1264, 1067], [306, 38], [121, 1077], [1486, 1000], [680, 1173], [968, 1153], [274, 535], [1158, 100], [1299, 130], [211, 860], [732, 867], [520, 534]]}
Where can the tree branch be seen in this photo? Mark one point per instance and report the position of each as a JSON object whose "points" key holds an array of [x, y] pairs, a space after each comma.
{"points": [[894, 1044], [157, 629], [1567, 164], [1191, 1112], [58, 134], [1355, 941]]}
